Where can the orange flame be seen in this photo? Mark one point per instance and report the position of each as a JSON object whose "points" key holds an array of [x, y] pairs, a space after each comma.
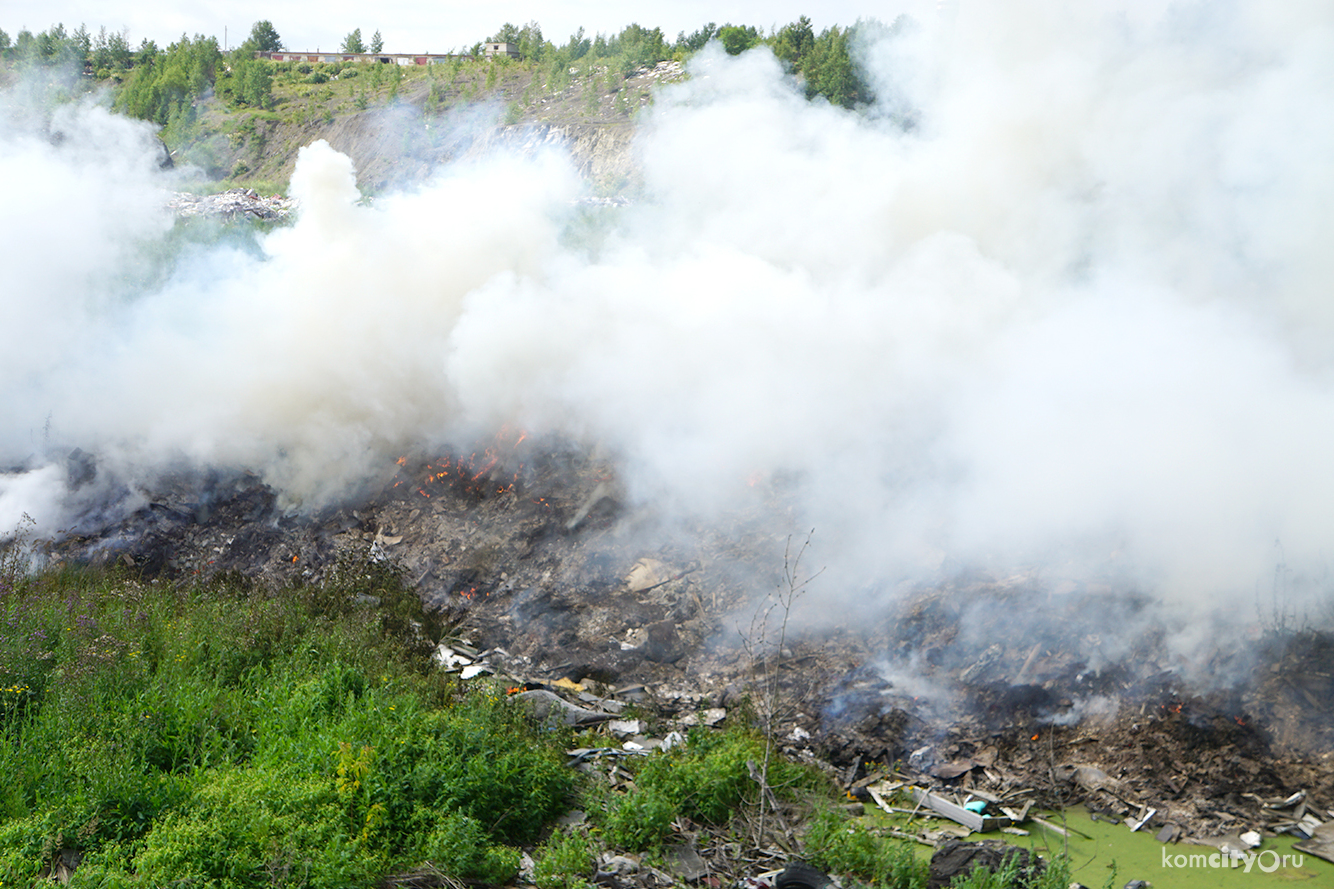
{"points": [[471, 472]]}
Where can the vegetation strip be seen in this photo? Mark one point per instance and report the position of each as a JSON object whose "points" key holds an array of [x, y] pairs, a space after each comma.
{"points": [[234, 113], [233, 735]]}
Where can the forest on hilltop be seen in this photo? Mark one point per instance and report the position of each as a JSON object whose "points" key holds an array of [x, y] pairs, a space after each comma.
{"points": [[163, 84]]}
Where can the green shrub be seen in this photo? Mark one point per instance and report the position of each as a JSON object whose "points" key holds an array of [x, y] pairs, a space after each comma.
{"points": [[567, 862], [640, 819], [251, 827], [24, 844], [842, 846], [484, 761], [239, 736], [460, 848], [707, 779]]}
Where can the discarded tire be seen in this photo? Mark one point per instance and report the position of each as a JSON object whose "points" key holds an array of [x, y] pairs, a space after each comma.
{"points": [[800, 875]]}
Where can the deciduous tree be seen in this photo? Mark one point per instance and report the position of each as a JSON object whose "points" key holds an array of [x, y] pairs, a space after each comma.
{"points": [[165, 84], [252, 83], [736, 39], [353, 43], [265, 37], [508, 33]]}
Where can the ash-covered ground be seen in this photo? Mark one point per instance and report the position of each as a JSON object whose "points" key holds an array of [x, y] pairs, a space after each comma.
{"points": [[533, 551]]}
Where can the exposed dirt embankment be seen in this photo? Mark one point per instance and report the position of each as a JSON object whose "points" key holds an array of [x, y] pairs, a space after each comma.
{"points": [[395, 146], [602, 152], [429, 119]]}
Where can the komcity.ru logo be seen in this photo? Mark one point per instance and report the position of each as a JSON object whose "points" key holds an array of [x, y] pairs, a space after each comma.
{"points": [[1268, 860]]}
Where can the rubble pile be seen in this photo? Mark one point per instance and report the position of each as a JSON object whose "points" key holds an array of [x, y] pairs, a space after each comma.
{"points": [[232, 204], [983, 701], [668, 71]]}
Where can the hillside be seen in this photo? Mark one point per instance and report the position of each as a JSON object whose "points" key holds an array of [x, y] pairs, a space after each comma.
{"points": [[235, 119], [397, 122]]}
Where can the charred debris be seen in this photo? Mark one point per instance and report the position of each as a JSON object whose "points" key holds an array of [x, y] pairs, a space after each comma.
{"points": [[540, 570]]}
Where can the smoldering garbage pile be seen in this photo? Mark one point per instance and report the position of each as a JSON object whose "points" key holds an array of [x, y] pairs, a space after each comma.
{"points": [[231, 204], [1048, 370], [541, 569]]}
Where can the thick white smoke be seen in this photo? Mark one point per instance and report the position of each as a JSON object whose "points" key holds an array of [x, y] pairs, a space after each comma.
{"points": [[1074, 316]]}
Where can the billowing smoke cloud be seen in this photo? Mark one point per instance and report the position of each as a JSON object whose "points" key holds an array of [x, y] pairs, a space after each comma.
{"points": [[1061, 302]]}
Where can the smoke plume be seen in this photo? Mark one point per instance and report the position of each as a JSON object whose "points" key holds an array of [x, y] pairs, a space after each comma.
{"points": [[1058, 301]]}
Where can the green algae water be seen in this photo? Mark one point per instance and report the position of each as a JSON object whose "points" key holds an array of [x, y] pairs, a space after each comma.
{"points": [[1109, 855], [1139, 856]]}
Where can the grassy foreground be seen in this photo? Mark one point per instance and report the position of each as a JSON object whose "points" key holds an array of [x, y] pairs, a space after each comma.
{"points": [[227, 735], [232, 736]]}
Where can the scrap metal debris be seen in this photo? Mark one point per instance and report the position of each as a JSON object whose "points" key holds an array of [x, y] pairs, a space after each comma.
{"points": [[1320, 843], [547, 706]]}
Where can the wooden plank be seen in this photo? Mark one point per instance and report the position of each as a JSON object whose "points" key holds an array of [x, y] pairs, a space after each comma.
{"points": [[880, 800], [970, 820], [982, 794], [1063, 831], [1136, 823], [1047, 824]]}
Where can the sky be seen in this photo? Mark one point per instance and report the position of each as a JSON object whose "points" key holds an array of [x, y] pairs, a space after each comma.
{"points": [[418, 26]]}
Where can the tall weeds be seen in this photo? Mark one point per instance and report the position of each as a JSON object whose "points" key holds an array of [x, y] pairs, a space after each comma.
{"points": [[237, 736]]}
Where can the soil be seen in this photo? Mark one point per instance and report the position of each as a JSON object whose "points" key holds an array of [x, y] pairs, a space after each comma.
{"points": [[530, 550]]}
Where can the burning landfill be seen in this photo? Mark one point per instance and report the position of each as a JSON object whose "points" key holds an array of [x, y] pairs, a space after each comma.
{"points": [[1048, 371]]}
